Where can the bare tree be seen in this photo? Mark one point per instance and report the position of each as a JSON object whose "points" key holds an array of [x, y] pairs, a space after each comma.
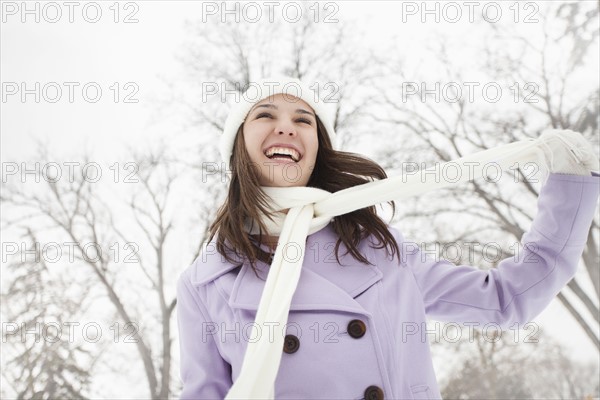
{"points": [[228, 56], [493, 365], [41, 359], [81, 213], [445, 130]]}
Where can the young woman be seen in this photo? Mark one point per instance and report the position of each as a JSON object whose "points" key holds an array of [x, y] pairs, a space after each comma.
{"points": [[353, 325]]}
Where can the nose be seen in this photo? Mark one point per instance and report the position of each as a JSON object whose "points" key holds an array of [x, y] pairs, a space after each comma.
{"points": [[286, 126]]}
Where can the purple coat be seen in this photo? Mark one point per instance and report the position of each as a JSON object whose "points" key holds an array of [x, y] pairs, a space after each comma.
{"points": [[357, 331]]}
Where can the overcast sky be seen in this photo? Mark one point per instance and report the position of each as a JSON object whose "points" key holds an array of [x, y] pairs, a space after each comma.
{"points": [[104, 53]]}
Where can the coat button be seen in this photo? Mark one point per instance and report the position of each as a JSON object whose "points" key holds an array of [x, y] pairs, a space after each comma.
{"points": [[357, 328], [291, 344], [373, 393]]}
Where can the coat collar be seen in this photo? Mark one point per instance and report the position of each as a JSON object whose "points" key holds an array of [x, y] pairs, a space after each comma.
{"points": [[324, 284]]}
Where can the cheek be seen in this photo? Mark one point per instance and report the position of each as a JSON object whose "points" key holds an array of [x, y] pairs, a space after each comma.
{"points": [[252, 143], [314, 147], [247, 135]]}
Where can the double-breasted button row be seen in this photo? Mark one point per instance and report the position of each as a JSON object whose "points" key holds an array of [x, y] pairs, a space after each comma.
{"points": [[291, 344], [373, 393], [357, 328]]}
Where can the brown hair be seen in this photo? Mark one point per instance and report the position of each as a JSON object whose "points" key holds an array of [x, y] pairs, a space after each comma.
{"points": [[333, 171]]}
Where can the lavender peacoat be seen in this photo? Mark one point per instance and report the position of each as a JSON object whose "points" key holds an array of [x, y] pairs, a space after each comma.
{"points": [[357, 331]]}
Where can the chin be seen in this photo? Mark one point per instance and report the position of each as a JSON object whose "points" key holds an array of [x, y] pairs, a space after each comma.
{"points": [[284, 184], [278, 180]]}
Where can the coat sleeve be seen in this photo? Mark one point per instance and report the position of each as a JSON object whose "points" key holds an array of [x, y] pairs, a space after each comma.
{"points": [[205, 374], [521, 286]]}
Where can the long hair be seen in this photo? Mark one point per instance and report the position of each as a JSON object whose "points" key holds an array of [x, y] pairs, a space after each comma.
{"points": [[333, 171]]}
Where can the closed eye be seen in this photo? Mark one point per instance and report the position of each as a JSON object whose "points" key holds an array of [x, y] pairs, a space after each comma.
{"points": [[266, 114]]}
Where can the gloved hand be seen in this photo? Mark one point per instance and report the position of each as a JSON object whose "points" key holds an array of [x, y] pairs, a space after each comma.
{"points": [[568, 152]]}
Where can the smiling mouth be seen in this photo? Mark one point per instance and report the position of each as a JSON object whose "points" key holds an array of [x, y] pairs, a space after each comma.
{"points": [[284, 154]]}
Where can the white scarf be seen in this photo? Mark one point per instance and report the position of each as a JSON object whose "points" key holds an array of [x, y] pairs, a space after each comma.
{"points": [[310, 210]]}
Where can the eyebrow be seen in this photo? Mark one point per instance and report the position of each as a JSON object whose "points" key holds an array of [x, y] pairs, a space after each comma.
{"points": [[273, 106]]}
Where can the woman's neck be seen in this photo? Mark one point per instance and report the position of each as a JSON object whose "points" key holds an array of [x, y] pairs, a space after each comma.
{"points": [[270, 241]]}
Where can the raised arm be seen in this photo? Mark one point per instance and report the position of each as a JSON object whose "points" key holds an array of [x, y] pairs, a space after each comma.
{"points": [[522, 285]]}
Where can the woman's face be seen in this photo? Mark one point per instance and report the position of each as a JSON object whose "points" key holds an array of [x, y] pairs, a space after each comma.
{"points": [[280, 134]]}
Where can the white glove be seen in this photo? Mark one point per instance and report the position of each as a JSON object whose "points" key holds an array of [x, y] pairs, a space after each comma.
{"points": [[568, 152]]}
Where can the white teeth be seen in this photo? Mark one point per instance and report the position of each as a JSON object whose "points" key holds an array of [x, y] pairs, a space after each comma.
{"points": [[283, 150]]}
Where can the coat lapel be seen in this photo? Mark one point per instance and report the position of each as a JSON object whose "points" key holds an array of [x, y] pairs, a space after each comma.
{"points": [[324, 284]]}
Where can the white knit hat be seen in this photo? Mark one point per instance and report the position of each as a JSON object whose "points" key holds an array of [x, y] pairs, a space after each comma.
{"points": [[262, 89]]}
